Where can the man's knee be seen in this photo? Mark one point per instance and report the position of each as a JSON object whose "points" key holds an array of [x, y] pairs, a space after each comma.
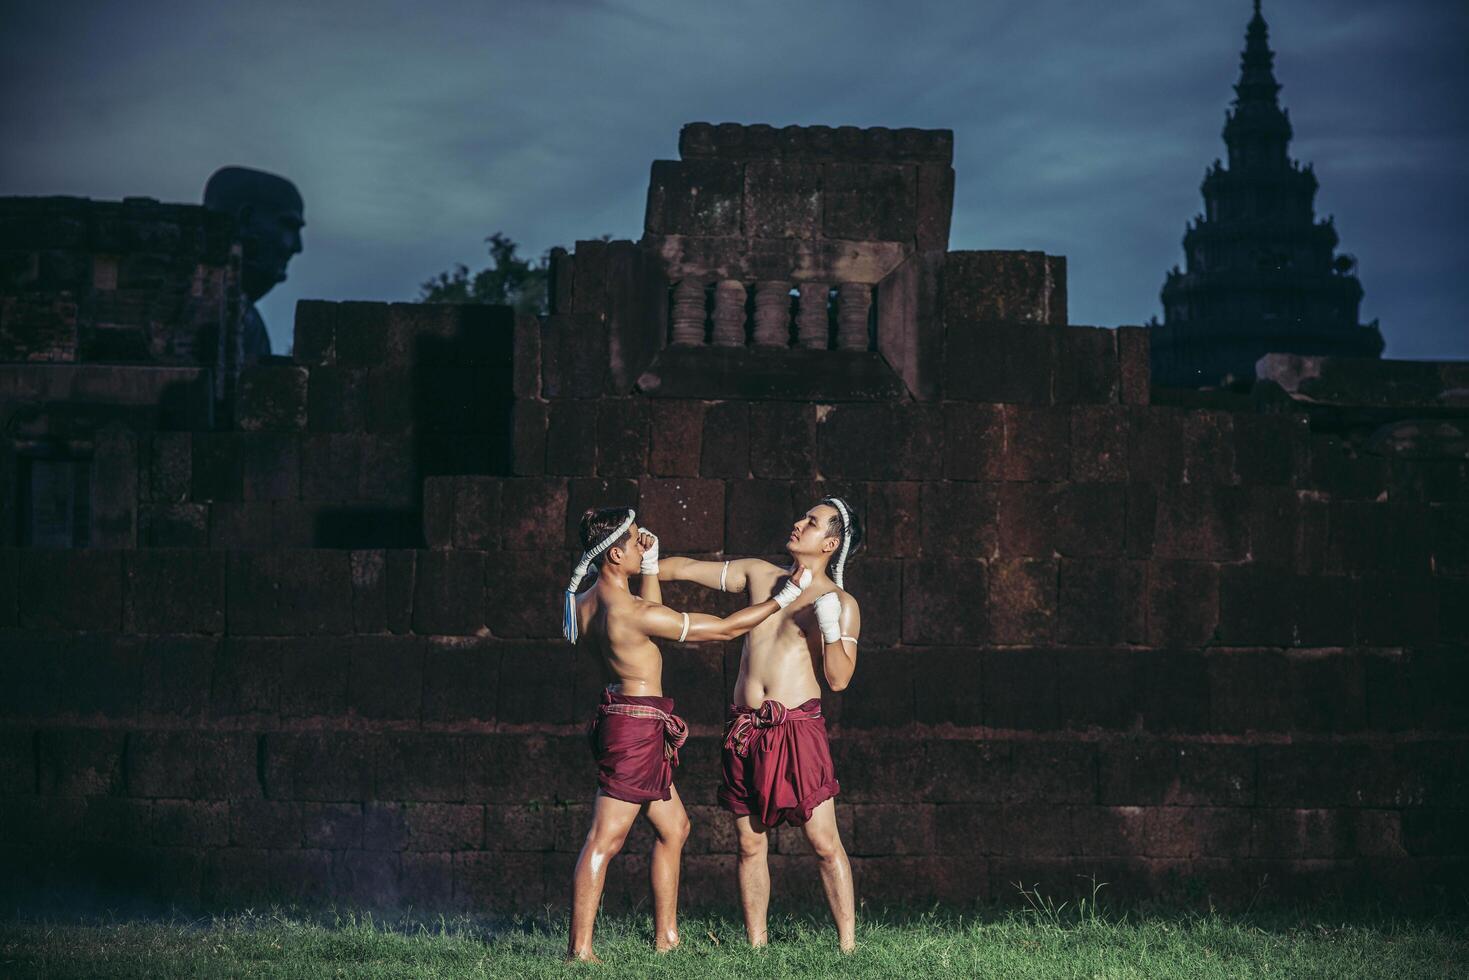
{"points": [[675, 831], [826, 845], [606, 842], [753, 844]]}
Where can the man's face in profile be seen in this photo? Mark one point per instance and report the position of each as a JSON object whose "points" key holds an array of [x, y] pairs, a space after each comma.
{"points": [[271, 237]]}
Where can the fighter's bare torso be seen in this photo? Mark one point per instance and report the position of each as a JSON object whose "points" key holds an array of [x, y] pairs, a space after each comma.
{"points": [[607, 617], [780, 656]]}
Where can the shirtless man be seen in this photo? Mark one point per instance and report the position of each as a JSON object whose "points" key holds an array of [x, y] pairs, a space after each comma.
{"points": [[635, 735], [777, 764]]}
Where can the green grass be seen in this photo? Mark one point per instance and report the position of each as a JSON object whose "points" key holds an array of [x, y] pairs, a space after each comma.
{"points": [[1042, 942]]}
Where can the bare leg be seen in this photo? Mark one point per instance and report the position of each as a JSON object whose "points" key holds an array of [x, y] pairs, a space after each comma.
{"points": [[611, 820], [671, 824], [754, 868], [836, 872]]}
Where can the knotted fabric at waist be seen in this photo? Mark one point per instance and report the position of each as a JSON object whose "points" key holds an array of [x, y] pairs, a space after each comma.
{"points": [[675, 729], [744, 721]]}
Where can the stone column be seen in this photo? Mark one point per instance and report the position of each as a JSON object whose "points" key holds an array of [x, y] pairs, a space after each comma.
{"points": [[688, 313], [811, 319], [772, 314], [853, 301], [729, 313]]}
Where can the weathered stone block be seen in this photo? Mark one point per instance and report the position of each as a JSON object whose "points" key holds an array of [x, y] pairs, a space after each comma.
{"points": [[216, 467], [880, 442], [1154, 772], [878, 584], [688, 515], [314, 678], [782, 439], [529, 424], [1022, 600], [1086, 366], [1155, 445], [1098, 444], [264, 823], [726, 441], [959, 519], [935, 206], [571, 438], [364, 336], [989, 361], [79, 763], [1037, 443], [893, 520], [383, 583], [1102, 601], [336, 399], [694, 197], [510, 578], [542, 695], [1183, 603], [193, 765], [534, 514], [782, 199], [385, 679], [758, 516], [175, 591], [1202, 522], [622, 437], [676, 437], [272, 398], [974, 441], [870, 202], [270, 466], [448, 593], [284, 593], [1018, 287], [1134, 355], [948, 687], [1020, 689], [942, 602], [70, 590], [477, 512]]}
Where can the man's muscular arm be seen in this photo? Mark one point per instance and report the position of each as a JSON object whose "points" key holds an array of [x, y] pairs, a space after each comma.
{"points": [[666, 624], [732, 575], [840, 622], [648, 587]]}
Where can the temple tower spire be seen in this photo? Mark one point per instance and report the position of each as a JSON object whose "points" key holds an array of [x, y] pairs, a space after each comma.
{"points": [[1261, 273]]}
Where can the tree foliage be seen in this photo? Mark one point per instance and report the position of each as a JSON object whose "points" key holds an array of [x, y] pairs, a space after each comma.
{"points": [[508, 280]]}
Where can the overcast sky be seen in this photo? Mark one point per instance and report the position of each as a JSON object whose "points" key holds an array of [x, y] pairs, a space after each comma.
{"points": [[1081, 128]]}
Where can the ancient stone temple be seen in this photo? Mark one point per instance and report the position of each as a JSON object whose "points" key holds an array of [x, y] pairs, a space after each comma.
{"points": [[1261, 274], [1196, 653]]}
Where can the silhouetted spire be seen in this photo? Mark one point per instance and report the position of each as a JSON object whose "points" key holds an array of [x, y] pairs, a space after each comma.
{"points": [[1256, 129], [1261, 273]]}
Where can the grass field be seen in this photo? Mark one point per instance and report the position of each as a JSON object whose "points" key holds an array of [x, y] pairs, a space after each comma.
{"points": [[1041, 943]]}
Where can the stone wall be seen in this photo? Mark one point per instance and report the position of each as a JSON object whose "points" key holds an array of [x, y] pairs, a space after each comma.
{"points": [[1191, 652]]}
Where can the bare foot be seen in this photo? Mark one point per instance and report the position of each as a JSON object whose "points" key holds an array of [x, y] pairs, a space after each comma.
{"points": [[668, 944], [588, 957], [848, 947]]}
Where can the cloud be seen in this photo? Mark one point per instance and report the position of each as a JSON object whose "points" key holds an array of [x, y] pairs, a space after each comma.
{"points": [[415, 131]]}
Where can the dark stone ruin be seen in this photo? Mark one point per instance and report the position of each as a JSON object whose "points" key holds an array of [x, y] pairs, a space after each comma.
{"points": [[292, 630]]}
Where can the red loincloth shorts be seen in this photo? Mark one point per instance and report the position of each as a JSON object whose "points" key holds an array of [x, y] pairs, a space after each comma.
{"points": [[635, 741], [777, 763]]}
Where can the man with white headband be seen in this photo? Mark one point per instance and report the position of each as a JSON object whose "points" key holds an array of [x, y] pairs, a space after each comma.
{"points": [[777, 763], [635, 734]]}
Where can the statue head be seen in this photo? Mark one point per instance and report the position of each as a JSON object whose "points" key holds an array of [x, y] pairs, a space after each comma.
{"points": [[270, 215]]}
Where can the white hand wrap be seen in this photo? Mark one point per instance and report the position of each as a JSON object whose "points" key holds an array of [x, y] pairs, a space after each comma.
{"points": [[792, 588], [829, 617], [650, 556]]}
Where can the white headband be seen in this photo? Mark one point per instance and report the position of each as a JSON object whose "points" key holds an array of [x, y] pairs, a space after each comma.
{"points": [[568, 615], [841, 558]]}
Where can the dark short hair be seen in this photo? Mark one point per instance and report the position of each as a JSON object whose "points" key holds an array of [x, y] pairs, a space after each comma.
{"points": [[854, 526], [597, 523]]}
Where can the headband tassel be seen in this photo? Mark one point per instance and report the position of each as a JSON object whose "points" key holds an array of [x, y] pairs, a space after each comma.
{"points": [[569, 628]]}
